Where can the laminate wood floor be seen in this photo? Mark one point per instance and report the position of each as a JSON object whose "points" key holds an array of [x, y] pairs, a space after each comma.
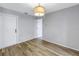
{"points": [[37, 47]]}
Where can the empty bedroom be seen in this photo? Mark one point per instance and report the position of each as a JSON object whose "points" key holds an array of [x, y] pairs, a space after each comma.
{"points": [[39, 29]]}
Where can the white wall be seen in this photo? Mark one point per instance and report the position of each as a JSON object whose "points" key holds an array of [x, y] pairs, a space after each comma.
{"points": [[25, 28], [62, 27]]}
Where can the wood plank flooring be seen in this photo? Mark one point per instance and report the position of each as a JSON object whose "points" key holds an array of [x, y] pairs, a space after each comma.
{"points": [[37, 47]]}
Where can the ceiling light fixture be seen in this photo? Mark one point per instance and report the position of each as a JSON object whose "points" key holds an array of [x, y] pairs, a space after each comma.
{"points": [[39, 10]]}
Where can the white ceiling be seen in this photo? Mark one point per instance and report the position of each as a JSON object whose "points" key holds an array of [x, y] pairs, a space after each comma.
{"points": [[28, 7]]}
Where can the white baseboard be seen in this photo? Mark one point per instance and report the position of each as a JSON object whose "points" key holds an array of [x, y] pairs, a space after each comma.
{"points": [[63, 45], [17, 43], [25, 40]]}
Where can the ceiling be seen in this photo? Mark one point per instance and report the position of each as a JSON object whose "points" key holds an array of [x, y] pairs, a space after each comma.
{"points": [[28, 7]]}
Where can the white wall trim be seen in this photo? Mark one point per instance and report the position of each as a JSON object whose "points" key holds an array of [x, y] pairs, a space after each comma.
{"points": [[62, 45]]}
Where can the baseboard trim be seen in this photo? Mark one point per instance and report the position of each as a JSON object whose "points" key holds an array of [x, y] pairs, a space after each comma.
{"points": [[17, 43], [60, 45]]}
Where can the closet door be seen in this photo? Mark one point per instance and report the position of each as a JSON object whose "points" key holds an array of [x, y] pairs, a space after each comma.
{"points": [[1, 31], [10, 29]]}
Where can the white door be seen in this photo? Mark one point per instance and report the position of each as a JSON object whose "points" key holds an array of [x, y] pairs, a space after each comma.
{"points": [[10, 29], [39, 28], [1, 31]]}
